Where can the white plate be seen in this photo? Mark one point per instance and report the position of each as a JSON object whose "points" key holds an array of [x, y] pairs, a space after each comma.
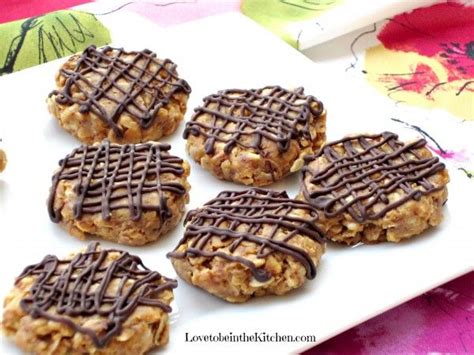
{"points": [[353, 284]]}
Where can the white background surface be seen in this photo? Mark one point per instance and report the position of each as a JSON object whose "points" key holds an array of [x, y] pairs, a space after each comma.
{"points": [[352, 285], [351, 15]]}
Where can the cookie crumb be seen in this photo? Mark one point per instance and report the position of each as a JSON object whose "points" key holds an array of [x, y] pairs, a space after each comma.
{"points": [[3, 160]]}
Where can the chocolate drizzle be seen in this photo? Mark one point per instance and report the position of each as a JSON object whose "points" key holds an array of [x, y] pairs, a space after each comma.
{"points": [[93, 284], [119, 78], [271, 112], [242, 216], [109, 177], [360, 181]]}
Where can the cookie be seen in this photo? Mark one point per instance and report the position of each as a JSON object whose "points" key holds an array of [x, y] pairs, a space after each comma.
{"points": [[374, 188], [248, 244], [3, 160], [255, 137], [96, 301], [129, 194], [126, 97]]}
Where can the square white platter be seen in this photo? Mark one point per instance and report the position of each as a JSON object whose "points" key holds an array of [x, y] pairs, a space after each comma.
{"points": [[227, 51]]}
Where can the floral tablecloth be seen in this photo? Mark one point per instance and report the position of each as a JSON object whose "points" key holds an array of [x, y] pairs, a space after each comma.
{"points": [[430, 48]]}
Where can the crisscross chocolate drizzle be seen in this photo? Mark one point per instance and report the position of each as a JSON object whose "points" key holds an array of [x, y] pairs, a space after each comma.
{"points": [[370, 169], [252, 209], [121, 79], [92, 284], [274, 113], [111, 176]]}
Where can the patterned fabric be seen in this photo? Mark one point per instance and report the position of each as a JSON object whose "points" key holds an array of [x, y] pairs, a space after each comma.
{"points": [[424, 63], [431, 56], [279, 15], [39, 39], [440, 321], [22, 9]]}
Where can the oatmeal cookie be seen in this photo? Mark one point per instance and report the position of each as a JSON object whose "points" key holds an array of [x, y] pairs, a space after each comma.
{"points": [[255, 137], [126, 97], [374, 188], [248, 244], [130, 194], [3, 160], [96, 301]]}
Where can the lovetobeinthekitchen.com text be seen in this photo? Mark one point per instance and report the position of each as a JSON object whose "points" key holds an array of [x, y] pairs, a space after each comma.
{"points": [[257, 337]]}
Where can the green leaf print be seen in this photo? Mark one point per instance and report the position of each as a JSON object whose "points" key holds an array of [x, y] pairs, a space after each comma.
{"points": [[37, 40], [277, 14]]}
